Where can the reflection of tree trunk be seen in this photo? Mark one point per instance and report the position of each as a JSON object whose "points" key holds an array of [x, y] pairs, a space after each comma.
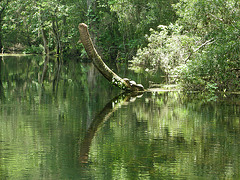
{"points": [[45, 67], [101, 66], [57, 75], [1, 85], [103, 116]]}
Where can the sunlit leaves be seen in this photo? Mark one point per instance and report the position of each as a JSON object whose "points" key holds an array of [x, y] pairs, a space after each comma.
{"points": [[167, 48], [203, 49]]}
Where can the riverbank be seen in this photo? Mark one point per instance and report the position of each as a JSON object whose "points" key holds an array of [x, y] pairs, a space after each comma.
{"points": [[6, 54]]}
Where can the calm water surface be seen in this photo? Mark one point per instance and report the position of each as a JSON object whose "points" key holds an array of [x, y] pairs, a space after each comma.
{"points": [[65, 121]]}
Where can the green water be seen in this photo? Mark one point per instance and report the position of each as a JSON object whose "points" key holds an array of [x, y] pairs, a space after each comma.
{"points": [[77, 126]]}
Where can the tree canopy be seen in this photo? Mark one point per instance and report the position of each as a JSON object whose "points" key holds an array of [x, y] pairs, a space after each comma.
{"points": [[201, 48], [118, 27], [194, 41]]}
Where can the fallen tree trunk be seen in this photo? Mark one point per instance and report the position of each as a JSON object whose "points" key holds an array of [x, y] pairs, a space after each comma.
{"points": [[124, 84]]}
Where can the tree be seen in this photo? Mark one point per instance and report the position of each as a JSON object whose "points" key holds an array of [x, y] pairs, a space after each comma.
{"points": [[136, 17], [124, 84], [117, 27], [3, 6], [218, 20], [120, 26], [201, 48], [42, 25]]}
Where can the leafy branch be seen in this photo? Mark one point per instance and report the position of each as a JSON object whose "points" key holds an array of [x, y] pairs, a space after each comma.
{"points": [[210, 41]]}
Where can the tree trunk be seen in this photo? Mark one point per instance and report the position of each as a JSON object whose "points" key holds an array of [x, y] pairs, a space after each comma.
{"points": [[45, 41], [44, 35], [3, 7], [125, 83], [56, 34], [1, 36], [1, 45]]}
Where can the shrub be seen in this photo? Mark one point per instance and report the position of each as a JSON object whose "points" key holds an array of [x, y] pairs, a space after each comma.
{"points": [[34, 50], [167, 49]]}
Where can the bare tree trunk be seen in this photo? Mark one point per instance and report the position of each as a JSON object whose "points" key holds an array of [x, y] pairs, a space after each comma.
{"points": [[1, 37], [56, 34], [44, 36], [125, 83], [45, 41]]}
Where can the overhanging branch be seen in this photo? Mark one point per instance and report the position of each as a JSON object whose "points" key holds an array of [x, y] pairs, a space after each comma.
{"points": [[210, 41]]}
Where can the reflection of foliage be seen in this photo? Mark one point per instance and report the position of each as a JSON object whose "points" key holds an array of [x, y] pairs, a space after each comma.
{"points": [[159, 136], [101, 118], [34, 117], [166, 135]]}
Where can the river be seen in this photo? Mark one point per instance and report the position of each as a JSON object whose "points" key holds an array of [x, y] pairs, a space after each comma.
{"points": [[63, 120]]}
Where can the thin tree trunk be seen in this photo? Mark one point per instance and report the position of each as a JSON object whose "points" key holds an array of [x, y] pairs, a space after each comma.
{"points": [[1, 24], [44, 36], [1, 37], [45, 41], [56, 34]]}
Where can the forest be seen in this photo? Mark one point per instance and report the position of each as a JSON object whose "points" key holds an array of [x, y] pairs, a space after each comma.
{"points": [[194, 43], [61, 119]]}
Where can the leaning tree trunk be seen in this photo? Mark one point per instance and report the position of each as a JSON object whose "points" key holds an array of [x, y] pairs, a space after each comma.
{"points": [[125, 83]]}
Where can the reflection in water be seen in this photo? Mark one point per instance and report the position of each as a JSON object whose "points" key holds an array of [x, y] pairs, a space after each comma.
{"points": [[57, 74], [1, 84], [161, 135], [103, 116], [169, 135], [45, 67]]}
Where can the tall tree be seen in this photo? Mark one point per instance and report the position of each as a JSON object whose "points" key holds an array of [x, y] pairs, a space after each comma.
{"points": [[3, 6], [217, 20]]}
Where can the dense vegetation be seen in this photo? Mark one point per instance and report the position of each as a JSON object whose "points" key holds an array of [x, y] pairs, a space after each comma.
{"points": [[194, 41], [201, 50], [118, 27]]}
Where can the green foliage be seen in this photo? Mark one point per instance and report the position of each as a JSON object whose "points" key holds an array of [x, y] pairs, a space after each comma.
{"points": [[182, 49], [219, 62], [34, 50], [135, 18], [203, 48], [27, 22], [167, 49], [117, 27]]}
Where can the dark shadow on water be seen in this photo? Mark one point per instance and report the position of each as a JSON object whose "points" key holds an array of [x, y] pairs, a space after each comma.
{"points": [[103, 116]]}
